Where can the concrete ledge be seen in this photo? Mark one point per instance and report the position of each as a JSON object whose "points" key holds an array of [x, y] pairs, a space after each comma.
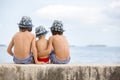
{"points": [[59, 72]]}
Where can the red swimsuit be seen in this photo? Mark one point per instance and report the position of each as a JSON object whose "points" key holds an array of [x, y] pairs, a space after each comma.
{"points": [[43, 59]]}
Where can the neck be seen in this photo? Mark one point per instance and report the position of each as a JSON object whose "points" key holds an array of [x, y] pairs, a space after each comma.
{"points": [[42, 37]]}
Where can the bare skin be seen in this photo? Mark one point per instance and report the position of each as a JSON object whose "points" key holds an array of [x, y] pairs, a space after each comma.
{"points": [[23, 43], [41, 45], [60, 46]]}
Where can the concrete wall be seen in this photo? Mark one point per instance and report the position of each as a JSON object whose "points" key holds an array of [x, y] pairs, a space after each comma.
{"points": [[59, 72]]}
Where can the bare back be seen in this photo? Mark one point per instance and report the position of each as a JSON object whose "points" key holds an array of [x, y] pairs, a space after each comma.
{"points": [[22, 44], [41, 45], [61, 47]]}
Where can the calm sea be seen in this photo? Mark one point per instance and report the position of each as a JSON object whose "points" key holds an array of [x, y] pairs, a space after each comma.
{"points": [[97, 55]]}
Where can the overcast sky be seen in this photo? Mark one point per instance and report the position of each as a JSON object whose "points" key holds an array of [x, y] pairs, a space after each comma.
{"points": [[85, 21]]}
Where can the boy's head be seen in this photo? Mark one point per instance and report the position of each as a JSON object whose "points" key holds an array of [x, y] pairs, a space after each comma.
{"points": [[25, 24], [40, 31], [57, 27]]}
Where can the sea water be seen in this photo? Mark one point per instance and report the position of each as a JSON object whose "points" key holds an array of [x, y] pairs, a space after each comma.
{"points": [[4, 56], [97, 55], [80, 55]]}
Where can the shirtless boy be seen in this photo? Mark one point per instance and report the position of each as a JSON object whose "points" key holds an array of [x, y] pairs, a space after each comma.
{"points": [[61, 52], [24, 43], [41, 44]]}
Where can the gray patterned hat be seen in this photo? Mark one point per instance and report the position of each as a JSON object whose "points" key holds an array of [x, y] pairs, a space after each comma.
{"points": [[25, 22], [57, 26], [40, 31]]}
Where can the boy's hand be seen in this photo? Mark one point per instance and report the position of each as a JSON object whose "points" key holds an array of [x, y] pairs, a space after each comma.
{"points": [[40, 62], [50, 40]]}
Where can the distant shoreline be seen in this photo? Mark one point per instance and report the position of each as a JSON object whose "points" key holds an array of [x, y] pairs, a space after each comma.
{"points": [[2, 45], [93, 46], [96, 46]]}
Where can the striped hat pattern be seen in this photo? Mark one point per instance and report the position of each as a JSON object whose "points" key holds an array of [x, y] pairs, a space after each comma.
{"points": [[25, 22], [40, 31], [57, 26]]}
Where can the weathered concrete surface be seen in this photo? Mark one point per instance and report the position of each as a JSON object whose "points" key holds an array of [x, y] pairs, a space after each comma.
{"points": [[59, 72]]}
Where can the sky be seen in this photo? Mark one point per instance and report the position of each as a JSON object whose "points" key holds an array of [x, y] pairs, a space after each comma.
{"points": [[86, 22]]}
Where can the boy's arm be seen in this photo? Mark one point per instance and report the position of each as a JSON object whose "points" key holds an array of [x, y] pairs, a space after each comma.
{"points": [[34, 50], [10, 46], [48, 50]]}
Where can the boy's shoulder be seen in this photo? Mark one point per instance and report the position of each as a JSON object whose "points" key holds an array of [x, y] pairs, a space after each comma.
{"points": [[21, 34], [17, 33]]}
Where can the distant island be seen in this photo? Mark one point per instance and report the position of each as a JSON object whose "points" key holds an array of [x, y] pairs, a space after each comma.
{"points": [[72, 46], [98, 45], [2, 45]]}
